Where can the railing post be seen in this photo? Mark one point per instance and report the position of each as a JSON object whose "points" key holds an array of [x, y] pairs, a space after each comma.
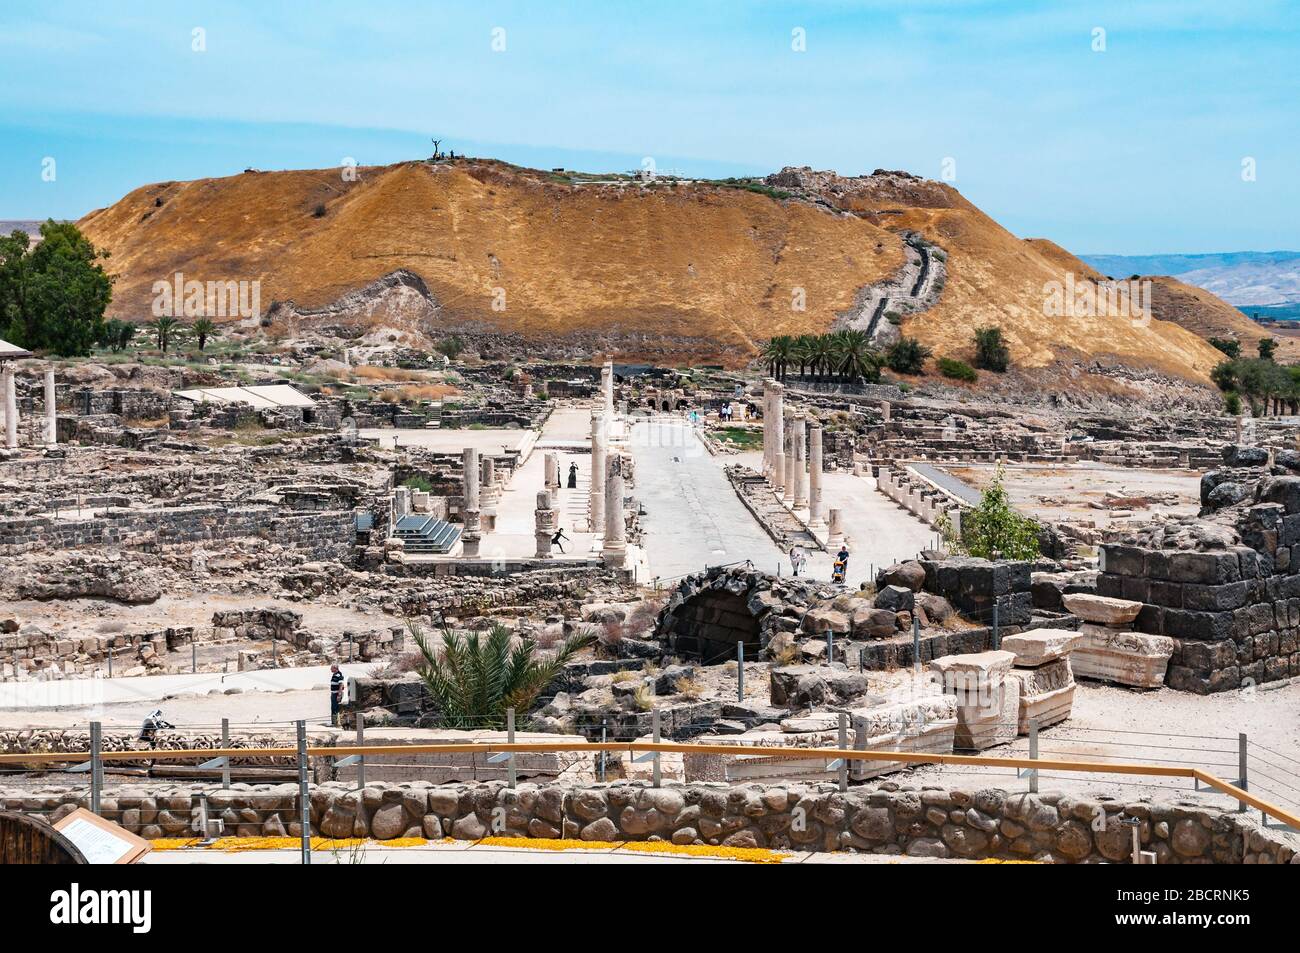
{"points": [[1243, 769], [1033, 754], [654, 734], [304, 796], [830, 647], [275, 652], [997, 634], [740, 671], [511, 776], [361, 760], [194, 655], [916, 642], [110, 662], [225, 743], [604, 733], [96, 765], [844, 744]]}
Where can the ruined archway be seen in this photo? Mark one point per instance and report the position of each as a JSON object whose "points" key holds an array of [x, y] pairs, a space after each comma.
{"points": [[709, 625]]}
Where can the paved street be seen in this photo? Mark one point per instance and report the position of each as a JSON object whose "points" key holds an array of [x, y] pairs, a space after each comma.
{"points": [[692, 516]]}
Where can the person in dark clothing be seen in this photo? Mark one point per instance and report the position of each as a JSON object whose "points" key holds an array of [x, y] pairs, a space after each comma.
{"points": [[841, 565], [558, 538], [153, 723], [336, 694], [573, 476]]}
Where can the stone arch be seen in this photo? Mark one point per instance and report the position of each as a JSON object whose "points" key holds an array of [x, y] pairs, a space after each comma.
{"points": [[714, 610]]}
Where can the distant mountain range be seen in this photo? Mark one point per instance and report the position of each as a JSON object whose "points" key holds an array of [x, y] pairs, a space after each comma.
{"points": [[1252, 280]]}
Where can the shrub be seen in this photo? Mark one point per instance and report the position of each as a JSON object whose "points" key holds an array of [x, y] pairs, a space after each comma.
{"points": [[957, 370], [318, 211], [991, 352], [473, 681], [1232, 403], [907, 356], [993, 529], [1229, 346]]}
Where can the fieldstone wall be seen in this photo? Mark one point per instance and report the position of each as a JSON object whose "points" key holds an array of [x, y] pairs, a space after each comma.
{"points": [[925, 822]]}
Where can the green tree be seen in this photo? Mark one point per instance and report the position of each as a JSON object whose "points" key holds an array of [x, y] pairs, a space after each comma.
{"points": [[1267, 348], [117, 335], [53, 296], [165, 328], [907, 356], [779, 353], [991, 353], [1229, 346], [202, 329], [993, 529], [473, 680]]}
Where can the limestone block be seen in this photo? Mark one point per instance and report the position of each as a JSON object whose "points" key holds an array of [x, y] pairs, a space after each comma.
{"points": [[990, 719], [972, 676], [1047, 708], [1101, 609], [926, 725], [1126, 658], [1040, 646]]}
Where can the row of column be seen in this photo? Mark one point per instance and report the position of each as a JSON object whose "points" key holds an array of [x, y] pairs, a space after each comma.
{"points": [[11, 409], [792, 453]]}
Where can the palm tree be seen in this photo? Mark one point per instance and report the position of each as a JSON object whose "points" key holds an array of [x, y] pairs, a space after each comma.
{"points": [[779, 352], [803, 349], [472, 681], [823, 354], [203, 329], [163, 328], [856, 356]]}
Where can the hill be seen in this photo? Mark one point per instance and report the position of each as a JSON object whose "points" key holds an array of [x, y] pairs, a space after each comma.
{"points": [[691, 271], [1239, 278]]}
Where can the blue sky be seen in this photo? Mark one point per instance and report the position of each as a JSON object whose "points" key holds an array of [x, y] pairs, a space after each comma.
{"points": [[1137, 149]]}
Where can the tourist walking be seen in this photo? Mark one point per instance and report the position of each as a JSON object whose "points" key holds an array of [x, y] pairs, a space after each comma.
{"points": [[841, 565], [573, 476], [798, 558], [336, 694], [153, 722], [558, 539]]}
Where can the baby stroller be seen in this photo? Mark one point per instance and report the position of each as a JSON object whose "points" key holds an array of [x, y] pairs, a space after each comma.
{"points": [[838, 570]]}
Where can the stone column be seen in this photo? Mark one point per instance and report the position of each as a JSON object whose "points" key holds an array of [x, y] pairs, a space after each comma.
{"points": [[790, 462], [778, 438], [614, 550], [885, 411], [800, 461], [51, 411], [552, 471], [401, 504], [470, 515], [596, 504], [11, 408], [489, 494], [544, 523], [767, 429], [815, 475], [607, 391], [835, 531]]}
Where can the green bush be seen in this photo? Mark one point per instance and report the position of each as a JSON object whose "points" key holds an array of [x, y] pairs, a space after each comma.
{"points": [[993, 529], [957, 370], [991, 352], [1232, 403], [907, 356]]}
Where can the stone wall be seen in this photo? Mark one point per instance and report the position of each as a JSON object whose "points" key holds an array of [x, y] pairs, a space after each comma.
{"points": [[1229, 594], [328, 535], [892, 819]]}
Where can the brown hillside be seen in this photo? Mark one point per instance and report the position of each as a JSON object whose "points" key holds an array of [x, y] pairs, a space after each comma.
{"points": [[693, 263], [995, 278], [1207, 315]]}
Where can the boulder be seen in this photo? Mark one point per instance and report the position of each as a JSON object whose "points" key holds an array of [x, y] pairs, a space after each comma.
{"points": [[909, 574], [895, 599], [871, 623]]}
